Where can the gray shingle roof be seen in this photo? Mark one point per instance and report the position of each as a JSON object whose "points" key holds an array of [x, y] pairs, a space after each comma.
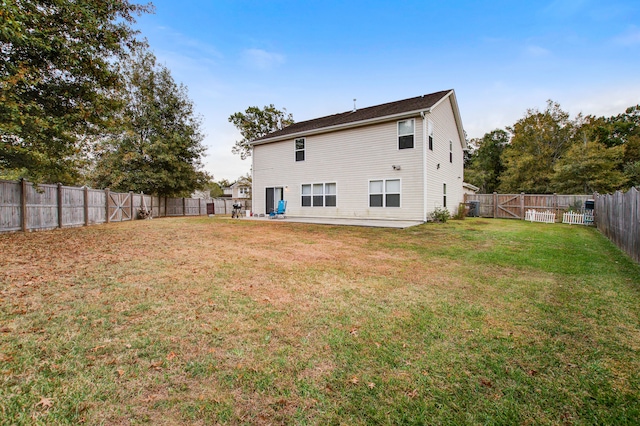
{"points": [[389, 109]]}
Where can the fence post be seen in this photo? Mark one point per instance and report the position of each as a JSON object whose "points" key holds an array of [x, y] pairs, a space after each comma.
{"points": [[23, 205], [106, 199], [86, 206], [522, 205], [59, 205], [165, 206], [131, 204], [495, 204], [184, 206]]}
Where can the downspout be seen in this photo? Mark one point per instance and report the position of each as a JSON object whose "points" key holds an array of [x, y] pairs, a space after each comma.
{"points": [[423, 114]]}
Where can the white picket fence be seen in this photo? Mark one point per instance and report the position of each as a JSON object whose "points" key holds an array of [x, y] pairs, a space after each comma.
{"points": [[574, 218], [545, 216]]}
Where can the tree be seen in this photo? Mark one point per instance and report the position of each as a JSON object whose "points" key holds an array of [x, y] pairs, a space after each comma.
{"points": [[255, 123], [485, 165], [622, 130], [539, 140], [58, 80], [159, 151], [587, 168]]}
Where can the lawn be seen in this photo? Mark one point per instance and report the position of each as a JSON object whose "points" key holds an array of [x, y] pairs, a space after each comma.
{"points": [[213, 321]]}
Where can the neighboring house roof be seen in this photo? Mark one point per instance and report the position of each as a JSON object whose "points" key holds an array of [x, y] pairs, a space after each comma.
{"points": [[239, 184], [470, 187], [361, 117]]}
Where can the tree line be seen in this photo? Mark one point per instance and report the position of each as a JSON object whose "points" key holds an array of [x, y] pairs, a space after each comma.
{"points": [[548, 151], [84, 101]]}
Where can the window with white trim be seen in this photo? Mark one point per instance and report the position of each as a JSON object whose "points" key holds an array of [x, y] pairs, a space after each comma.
{"points": [[406, 130], [430, 135], [450, 152], [384, 193], [300, 149], [319, 195], [444, 195]]}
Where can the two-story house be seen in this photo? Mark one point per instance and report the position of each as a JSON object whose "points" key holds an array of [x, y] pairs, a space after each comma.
{"points": [[398, 160]]}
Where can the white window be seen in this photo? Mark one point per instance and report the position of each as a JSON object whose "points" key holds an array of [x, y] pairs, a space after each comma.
{"points": [[450, 152], [306, 195], [300, 151], [384, 193], [405, 133], [444, 195], [430, 135], [319, 195], [330, 194]]}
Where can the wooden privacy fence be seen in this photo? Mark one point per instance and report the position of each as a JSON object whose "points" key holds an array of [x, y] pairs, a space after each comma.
{"points": [[225, 205], [25, 207], [515, 206], [617, 217]]}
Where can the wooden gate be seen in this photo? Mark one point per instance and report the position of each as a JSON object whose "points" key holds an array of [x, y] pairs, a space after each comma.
{"points": [[119, 207], [509, 206]]}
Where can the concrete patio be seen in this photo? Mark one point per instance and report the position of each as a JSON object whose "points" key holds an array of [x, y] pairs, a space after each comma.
{"points": [[374, 223]]}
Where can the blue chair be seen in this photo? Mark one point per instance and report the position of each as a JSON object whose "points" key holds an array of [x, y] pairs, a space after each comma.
{"points": [[280, 212]]}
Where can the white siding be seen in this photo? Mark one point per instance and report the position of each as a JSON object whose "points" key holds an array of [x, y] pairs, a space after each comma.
{"points": [[445, 130], [350, 158]]}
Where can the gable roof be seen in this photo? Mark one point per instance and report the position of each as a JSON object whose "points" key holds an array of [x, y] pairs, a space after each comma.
{"points": [[364, 116]]}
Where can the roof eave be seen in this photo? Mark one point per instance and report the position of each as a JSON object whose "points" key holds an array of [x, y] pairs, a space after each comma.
{"points": [[344, 126], [458, 118]]}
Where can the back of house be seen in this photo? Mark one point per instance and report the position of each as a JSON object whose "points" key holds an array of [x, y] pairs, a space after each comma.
{"points": [[395, 161]]}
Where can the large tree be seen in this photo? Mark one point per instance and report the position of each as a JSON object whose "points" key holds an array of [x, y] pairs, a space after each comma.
{"points": [[539, 140], [622, 130], [485, 165], [255, 123], [587, 168], [160, 149], [58, 79]]}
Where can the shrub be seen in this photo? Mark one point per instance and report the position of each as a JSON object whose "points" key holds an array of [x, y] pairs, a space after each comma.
{"points": [[440, 215], [461, 213]]}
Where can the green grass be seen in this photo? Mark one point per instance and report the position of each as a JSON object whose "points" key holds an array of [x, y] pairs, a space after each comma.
{"points": [[213, 321]]}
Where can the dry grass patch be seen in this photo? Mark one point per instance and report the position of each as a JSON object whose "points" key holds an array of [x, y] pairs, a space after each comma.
{"points": [[203, 321]]}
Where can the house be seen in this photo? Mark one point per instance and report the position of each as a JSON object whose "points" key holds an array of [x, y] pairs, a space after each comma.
{"points": [[399, 160], [240, 191]]}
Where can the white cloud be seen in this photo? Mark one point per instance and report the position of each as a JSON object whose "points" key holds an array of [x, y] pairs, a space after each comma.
{"points": [[262, 59], [566, 7], [630, 38], [536, 51]]}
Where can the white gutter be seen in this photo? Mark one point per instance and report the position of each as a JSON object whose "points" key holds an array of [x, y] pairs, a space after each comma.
{"points": [[337, 127], [423, 114]]}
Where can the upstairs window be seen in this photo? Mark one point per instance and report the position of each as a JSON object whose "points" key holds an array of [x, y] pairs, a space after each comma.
{"points": [[450, 152], [405, 133], [430, 136], [300, 144]]}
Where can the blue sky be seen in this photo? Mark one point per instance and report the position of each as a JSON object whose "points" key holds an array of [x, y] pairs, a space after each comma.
{"points": [[314, 57]]}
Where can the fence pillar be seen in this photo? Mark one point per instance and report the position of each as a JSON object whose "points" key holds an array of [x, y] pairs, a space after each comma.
{"points": [[23, 205], [522, 205], [86, 206], [133, 215], [495, 205], [60, 205], [555, 204], [184, 206], [106, 199]]}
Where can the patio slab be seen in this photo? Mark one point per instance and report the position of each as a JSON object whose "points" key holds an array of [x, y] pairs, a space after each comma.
{"points": [[374, 223]]}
